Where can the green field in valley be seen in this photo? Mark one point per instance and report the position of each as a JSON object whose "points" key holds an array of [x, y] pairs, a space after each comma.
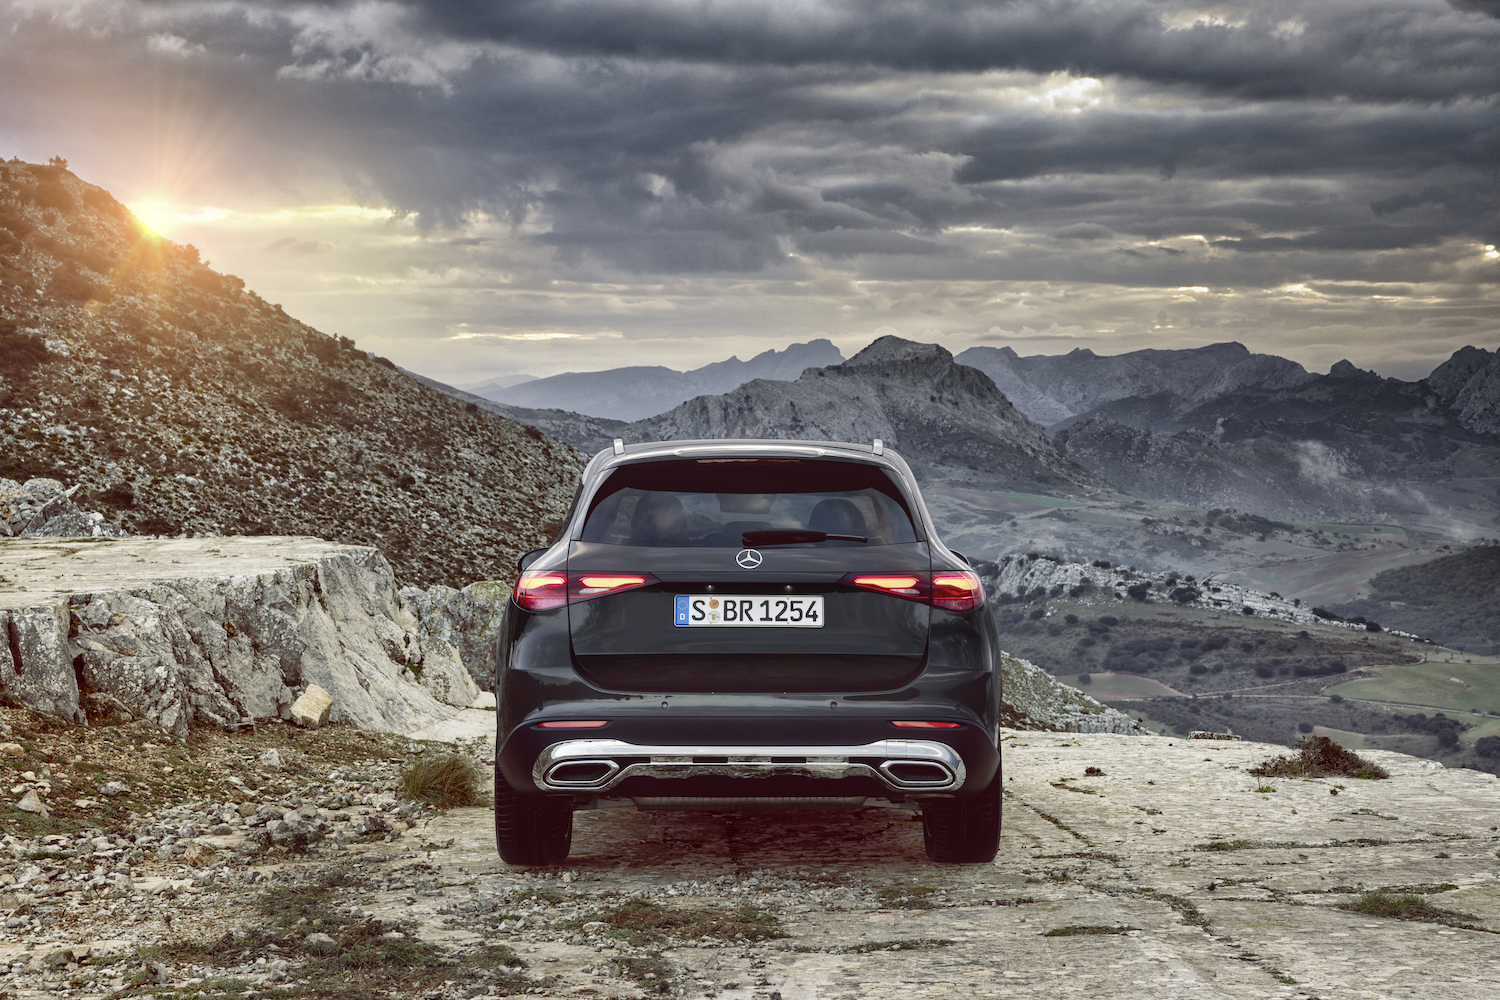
{"points": [[1432, 684]]}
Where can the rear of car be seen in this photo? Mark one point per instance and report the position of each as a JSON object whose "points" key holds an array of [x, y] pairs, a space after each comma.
{"points": [[747, 625]]}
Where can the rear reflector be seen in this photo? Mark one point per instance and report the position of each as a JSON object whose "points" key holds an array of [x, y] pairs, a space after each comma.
{"points": [[540, 590], [928, 725], [956, 591], [573, 724]]}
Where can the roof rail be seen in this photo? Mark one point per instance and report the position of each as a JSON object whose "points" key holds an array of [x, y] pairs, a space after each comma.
{"points": [[619, 446], [878, 447]]}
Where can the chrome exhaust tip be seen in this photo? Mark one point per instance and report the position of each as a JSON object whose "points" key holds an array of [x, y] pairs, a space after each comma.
{"points": [[917, 774], [582, 773]]}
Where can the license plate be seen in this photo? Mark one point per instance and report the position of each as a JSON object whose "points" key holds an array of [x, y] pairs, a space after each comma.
{"points": [[747, 610]]}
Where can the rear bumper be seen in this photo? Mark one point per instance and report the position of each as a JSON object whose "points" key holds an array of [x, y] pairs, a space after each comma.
{"points": [[597, 766], [749, 757]]}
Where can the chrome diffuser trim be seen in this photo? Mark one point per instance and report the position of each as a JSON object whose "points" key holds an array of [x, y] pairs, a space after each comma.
{"points": [[868, 760]]}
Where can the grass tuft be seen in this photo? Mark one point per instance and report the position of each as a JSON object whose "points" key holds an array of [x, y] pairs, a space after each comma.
{"points": [[1407, 906], [1073, 930], [446, 780], [642, 922]]}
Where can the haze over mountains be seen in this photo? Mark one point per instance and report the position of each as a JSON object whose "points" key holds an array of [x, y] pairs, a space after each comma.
{"points": [[644, 391]]}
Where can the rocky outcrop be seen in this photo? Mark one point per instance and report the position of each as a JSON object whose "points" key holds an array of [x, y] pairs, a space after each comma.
{"points": [[468, 619], [44, 508], [1034, 699], [219, 632], [1469, 382], [1052, 388]]}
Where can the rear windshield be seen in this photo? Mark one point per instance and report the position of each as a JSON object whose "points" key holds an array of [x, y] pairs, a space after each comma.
{"points": [[713, 502]]}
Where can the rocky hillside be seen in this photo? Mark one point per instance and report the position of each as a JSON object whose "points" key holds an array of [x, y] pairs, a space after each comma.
{"points": [[1346, 446], [1469, 384], [1050, 389], [644, 391], [181, 402]]}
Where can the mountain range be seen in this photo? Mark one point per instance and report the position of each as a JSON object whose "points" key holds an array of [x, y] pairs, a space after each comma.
{"points": [[644, 391]]}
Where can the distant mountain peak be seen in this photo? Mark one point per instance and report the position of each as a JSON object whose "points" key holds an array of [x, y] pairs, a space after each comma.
{"points": [[1347, 369], [890, 349]]}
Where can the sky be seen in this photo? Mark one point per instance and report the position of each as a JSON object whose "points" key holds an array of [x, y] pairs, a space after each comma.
{"points": [[475, 189]]}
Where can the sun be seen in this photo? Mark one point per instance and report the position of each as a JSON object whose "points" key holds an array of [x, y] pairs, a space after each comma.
{"points": [[154, 215]]}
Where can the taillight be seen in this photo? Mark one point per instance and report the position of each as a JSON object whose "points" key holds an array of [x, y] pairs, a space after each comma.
{"points": [[951, 591], [928, 725], [539, 590], [543, 589], [573, 724], [588, 585], [956, 591], [904, 584]]}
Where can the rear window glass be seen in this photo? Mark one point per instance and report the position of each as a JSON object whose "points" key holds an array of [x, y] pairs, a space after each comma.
{"points": [[713, 502]]}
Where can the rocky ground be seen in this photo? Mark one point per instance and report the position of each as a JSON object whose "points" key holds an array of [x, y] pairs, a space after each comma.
{"points": [[1129, 867]]}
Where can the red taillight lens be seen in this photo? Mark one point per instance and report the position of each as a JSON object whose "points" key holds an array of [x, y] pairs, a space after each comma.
{"points": [[902, 584], [573, 724], [951, 591], [928, 725], [540, 590], [587, 585], [956, 591]]}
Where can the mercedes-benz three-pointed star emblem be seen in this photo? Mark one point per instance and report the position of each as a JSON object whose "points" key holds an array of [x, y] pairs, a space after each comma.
{"points": [[749, 558]]}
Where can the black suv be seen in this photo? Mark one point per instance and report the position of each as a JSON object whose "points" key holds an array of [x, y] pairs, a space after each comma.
{"points": [[731, 625]]}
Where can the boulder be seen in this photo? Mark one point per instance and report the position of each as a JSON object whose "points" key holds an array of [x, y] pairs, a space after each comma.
{"points": [[468, 619], [32, 802], [45, 508], [43, 679], [311, 708], [443, 674], [318, 943]]}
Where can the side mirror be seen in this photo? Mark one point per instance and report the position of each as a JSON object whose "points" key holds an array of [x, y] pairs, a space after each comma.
{"points": [[529, 558]]}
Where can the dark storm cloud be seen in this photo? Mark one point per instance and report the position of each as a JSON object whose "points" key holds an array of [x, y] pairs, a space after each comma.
{"points": [[1384, 51], [1273, 142]]}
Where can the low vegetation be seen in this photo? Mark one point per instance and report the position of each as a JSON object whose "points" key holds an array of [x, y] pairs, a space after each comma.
{"points": [[1454, 600], [1407, 906], [1319, 757], [445, 780]]}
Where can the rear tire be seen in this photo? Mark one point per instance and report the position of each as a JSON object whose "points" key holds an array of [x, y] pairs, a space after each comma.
{"points": [[963, 831], [531, 829]]}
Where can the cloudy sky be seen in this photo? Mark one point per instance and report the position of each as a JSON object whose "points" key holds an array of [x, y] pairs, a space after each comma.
{"points": [[480, 188]]}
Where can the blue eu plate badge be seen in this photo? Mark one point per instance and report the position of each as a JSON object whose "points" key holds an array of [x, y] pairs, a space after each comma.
{"points": [[680, 611]]}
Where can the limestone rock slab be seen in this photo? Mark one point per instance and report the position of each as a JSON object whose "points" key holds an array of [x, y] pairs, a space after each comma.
{"points": [[212, 631]]}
